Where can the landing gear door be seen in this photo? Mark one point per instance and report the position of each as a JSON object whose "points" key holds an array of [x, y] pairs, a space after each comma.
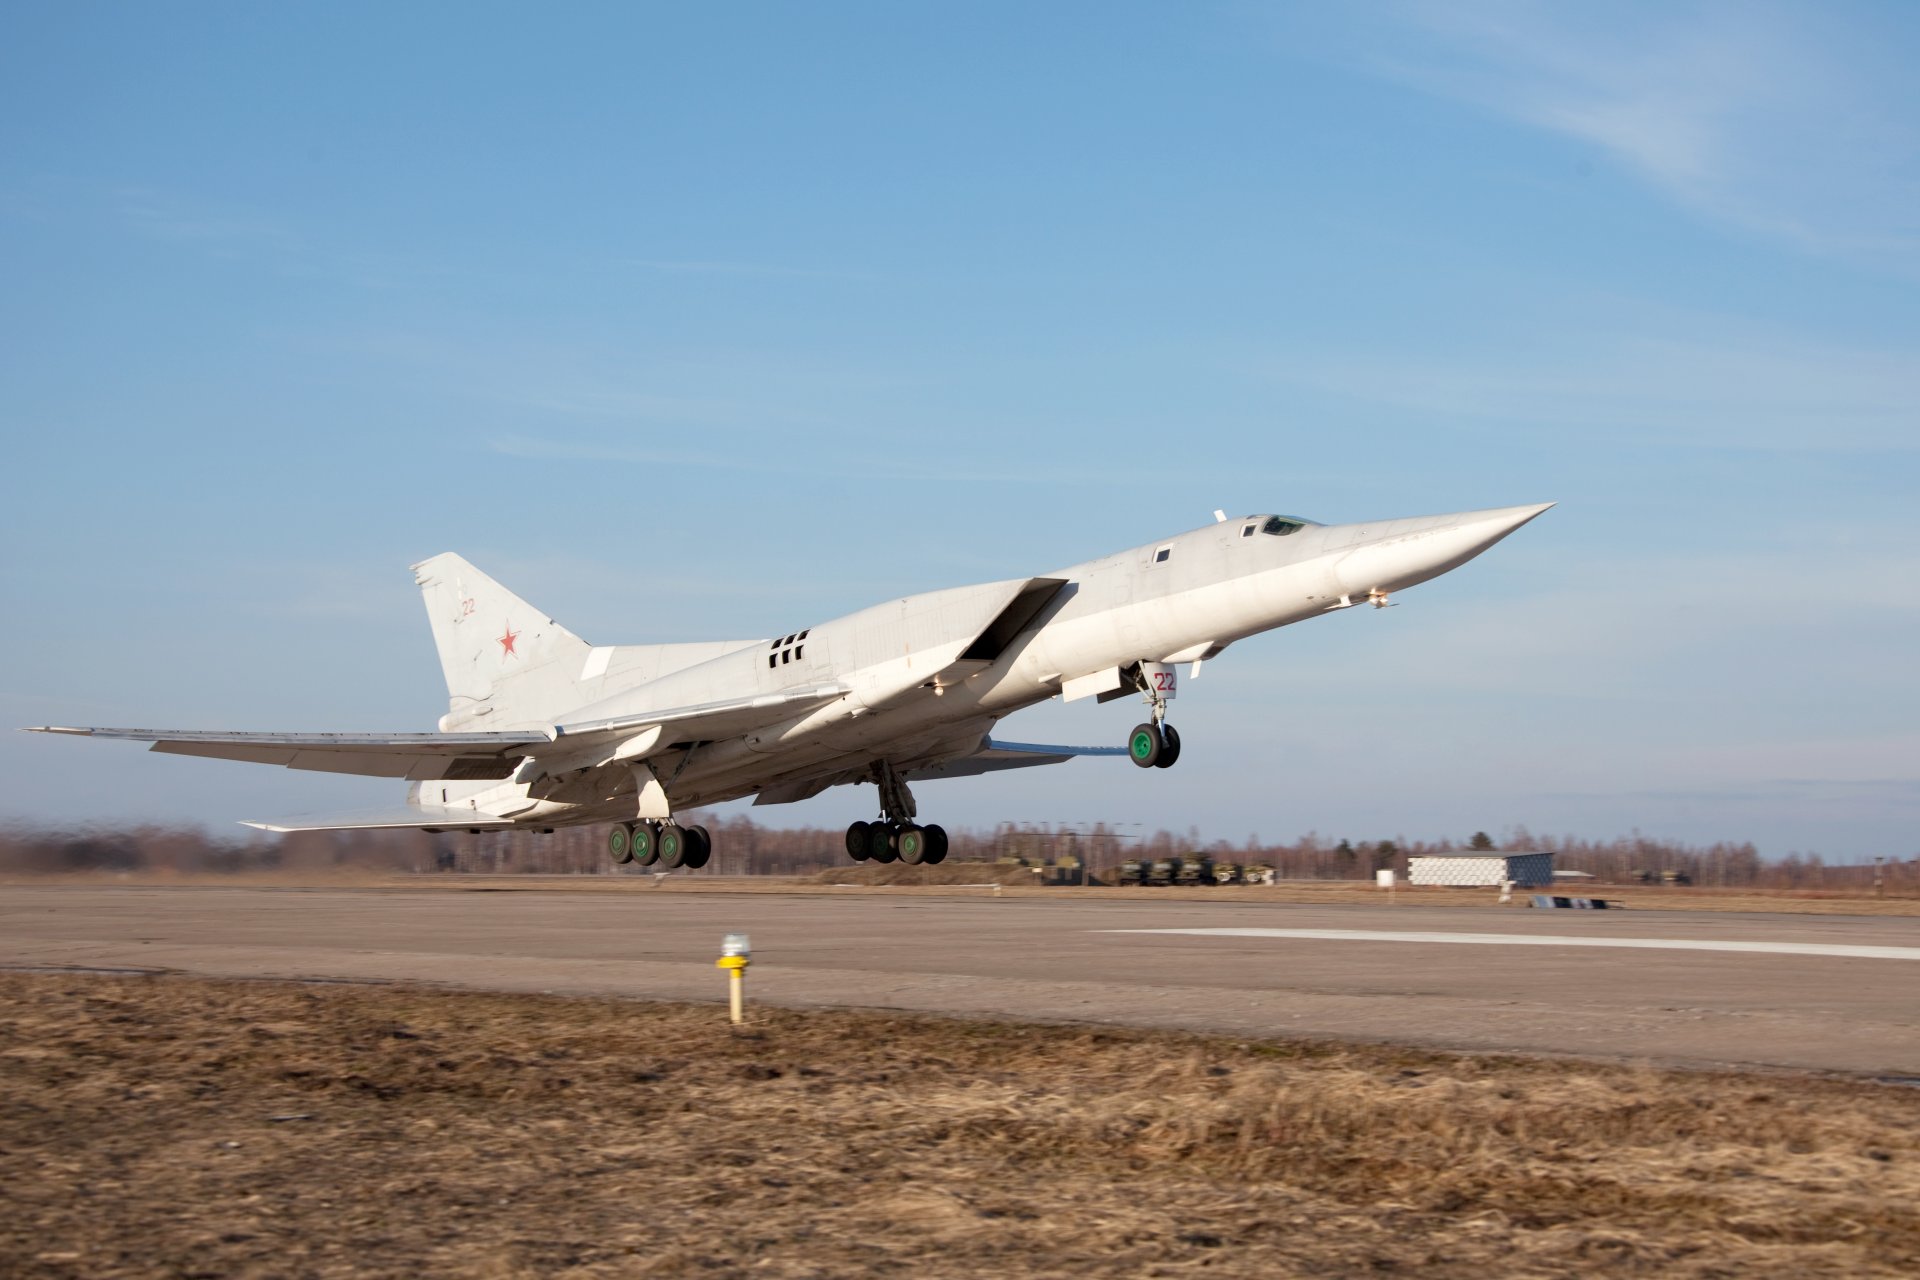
{"points": [[1162, 680]]}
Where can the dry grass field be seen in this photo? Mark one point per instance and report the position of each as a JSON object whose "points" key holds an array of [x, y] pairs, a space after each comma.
{"points": [[178, 1127]]}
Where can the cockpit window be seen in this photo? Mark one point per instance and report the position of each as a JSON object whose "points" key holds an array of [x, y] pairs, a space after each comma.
{"points": [[1280, 526]]}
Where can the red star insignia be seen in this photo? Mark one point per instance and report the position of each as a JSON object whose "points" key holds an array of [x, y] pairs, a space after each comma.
{"points": [[506, 640]]}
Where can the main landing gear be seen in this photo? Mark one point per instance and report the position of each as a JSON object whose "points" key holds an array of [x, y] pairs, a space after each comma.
{"points": [[890, 841], [667, 843], [896, 837]]}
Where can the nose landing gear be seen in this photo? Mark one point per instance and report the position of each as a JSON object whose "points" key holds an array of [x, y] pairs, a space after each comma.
{"points": [[1155, 744]]}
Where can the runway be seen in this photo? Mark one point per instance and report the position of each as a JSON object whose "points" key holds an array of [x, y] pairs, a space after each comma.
{"points": [[1555, 940], [1813, 992]]}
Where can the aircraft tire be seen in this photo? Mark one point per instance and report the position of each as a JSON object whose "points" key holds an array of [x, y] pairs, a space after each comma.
{"points": [[911, 841], [699, 848], [1144, 745], [673, 846], [1169, 748], [620, 842], [644, 840], [857, 841], [880, 843], [936, 846]]}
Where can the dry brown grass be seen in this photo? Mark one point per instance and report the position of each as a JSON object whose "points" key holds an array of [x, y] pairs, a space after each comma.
{"points": [[171, 1126], [895, 875]]}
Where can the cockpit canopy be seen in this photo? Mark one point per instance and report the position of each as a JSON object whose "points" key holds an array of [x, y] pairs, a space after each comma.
{"points": [[1275, 526]]}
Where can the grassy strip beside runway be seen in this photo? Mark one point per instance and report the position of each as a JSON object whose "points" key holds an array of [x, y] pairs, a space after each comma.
{"points": [[170, 1125]]}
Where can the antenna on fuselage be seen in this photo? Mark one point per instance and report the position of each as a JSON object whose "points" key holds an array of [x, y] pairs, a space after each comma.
{"points": [[1219, 516]]}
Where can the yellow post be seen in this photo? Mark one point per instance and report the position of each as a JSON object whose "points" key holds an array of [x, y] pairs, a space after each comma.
{"points": [[736, 967], [735, 955]]}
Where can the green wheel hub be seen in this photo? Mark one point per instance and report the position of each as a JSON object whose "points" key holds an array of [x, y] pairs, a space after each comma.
{"points": [[1142, 744], [913, 844]]}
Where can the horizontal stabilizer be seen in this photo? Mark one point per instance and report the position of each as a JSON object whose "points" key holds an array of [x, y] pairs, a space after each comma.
{"points": [[462, 757]]}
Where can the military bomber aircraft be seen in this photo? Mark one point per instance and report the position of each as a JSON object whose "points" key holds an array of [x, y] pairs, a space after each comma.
{"points": [[545, 730]]}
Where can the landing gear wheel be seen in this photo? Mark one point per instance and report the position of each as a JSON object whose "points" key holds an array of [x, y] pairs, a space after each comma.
{"points": [[673, 846], [644, 839], [699, 848], [936, 846], [880, 842], [857, 841], [911, 841], [1144, 745], [1169, 747], [620, 843]]}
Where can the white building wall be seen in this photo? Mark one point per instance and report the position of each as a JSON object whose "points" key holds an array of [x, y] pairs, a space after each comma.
{"points": [[1477, 870]]}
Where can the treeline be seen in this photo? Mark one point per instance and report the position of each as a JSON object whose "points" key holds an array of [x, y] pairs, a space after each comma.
{"points": [[744, 847]]}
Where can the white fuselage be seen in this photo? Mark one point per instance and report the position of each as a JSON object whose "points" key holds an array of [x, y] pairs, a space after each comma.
{"points": [[910, 695]]}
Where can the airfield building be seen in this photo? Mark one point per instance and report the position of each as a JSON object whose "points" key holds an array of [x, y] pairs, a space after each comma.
{"points": [[1475, 867]]}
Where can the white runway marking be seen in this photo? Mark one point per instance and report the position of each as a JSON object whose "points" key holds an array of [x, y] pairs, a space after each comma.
{"points": [[1553, 940]]}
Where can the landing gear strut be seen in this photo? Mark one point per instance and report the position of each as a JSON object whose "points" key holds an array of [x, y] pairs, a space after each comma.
{"points": [[895, 837]]}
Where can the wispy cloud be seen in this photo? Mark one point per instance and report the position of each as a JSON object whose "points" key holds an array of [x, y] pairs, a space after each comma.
{"points": [[1724, 390], [1777, 122], [536, 448], [828, 458]]}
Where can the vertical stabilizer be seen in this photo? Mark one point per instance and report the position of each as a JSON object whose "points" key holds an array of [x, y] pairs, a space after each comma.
{"points": [[508, 665]]}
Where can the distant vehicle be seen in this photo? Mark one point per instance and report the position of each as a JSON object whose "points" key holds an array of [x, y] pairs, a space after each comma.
{"points": [[1193, 869], [545, 730]]}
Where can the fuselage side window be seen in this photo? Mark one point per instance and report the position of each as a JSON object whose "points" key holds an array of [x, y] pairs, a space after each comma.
{"points": [[1246, 531], [1162, 555]]}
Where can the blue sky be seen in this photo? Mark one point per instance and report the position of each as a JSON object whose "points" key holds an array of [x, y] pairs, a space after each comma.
{"points": [[704, 321]]}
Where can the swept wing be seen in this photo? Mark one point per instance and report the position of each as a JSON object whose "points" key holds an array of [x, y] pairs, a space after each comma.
{"points": [[465, 756]]}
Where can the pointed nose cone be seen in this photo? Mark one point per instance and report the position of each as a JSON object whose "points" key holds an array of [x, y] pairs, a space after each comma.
{"points": [[1399, 554], [1516, 516], [1497, 523]]}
